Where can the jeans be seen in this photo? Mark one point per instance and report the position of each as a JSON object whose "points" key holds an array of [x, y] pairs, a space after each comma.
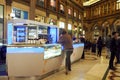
{"points": [[68, 60], [108, 53], [118, 57], [99, 51], [113, 54]]}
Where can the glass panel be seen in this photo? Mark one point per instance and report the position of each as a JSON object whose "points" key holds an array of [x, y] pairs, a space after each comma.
{"points": [[1, 23]]}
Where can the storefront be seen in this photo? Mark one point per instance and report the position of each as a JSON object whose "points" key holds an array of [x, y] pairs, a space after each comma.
{"points": [[1, 23]]}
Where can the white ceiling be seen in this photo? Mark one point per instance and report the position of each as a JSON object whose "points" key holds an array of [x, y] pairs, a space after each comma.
{"points": [[87, 3]]}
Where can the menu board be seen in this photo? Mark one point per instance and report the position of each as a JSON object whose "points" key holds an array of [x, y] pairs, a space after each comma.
{"points": [[19, 34], [20, 13]]}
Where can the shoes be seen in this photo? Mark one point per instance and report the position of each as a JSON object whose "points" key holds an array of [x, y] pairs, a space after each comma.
{"points": [[69, 69], [66, 73]]}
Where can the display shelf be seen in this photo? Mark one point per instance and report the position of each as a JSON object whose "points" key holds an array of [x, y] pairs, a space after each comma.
{"points": [[52, 50]]}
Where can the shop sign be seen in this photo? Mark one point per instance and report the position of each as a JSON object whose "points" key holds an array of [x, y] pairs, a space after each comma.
{"points": [[20, 13]]}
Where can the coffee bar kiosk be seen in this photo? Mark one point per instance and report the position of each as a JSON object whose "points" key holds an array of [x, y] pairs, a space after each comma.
{"points": [[32, 48]]}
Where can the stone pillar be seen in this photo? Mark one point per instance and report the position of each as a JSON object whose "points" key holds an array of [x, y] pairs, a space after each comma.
{"points": [[66, 13], [32, 9], [7, 12]]}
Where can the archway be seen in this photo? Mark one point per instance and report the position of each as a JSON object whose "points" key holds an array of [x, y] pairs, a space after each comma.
{"points": [[105, 30], [117, 25], [96, 31]]}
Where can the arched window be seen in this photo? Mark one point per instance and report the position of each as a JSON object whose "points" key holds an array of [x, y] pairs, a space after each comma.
{"points": [[52, 3], [75, 14], [118, 5], [40, 3], [61, 8], [69, 11]]}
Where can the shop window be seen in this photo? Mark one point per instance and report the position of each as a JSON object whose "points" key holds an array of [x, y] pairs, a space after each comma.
{"points": [[118, 5], [53, 4], [79, 16], [61, 8], [40, 18], [69, 11], [1, 23], [52, 21], [40, 3], [62, 25], [20, 13], [75, 14], [69, 27]]}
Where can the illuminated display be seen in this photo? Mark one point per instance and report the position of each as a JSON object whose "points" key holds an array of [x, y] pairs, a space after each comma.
{"points": [[69, 27], [19, 34], [62, 25], [52, 51], [9, 33]]}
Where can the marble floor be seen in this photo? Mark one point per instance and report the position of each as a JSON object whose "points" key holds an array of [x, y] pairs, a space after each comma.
{"points": [[91, 68]]}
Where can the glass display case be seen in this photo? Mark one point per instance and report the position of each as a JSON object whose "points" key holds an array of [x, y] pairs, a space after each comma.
{"points": [[52, 50]]}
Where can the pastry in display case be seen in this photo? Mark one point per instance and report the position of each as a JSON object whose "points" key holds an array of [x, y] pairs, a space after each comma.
{"points": [[52, 50]]}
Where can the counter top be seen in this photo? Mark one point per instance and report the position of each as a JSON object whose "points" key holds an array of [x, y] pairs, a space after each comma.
{"points": [[18, 50], [78, 45]]}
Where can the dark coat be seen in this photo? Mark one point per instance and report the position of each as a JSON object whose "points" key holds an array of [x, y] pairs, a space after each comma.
{"points": [[113, 45], [99, 44]]}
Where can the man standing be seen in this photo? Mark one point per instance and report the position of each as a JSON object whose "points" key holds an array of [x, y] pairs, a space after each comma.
{"points": [[108, 46], [113, 49], [66, 41]]}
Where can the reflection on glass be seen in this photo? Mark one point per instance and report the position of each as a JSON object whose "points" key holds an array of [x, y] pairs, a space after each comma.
{"points": [[52, 51]]}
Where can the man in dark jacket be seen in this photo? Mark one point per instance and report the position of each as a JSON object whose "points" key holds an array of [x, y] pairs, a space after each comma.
{"points": [[108, 41], [66, 41], [113, 49]]}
